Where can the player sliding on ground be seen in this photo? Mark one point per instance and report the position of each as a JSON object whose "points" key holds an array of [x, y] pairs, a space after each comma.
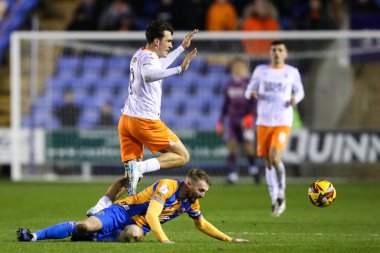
{"points": [[140, 124], [155, 205]]}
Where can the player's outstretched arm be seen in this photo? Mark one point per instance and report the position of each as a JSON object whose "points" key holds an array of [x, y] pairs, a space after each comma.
{"points": [[206, 227], [152, 214], [187, 40], [167, 61], [186, 62]]}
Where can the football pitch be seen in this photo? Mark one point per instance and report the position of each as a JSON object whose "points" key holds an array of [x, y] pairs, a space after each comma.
{"points": [[351, 224]]}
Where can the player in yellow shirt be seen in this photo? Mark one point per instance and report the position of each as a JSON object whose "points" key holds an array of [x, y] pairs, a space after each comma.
{"points": [[155, 205]]}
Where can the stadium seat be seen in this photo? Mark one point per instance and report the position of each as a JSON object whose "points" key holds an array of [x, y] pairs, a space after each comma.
{"points": [[55, 82], [118, 62], [117, 73], [29, 121], [217, 68], [184, 123], [50, 98], [93, 62], [89, 117], [68, 62], [82, 82], [197, 64]]}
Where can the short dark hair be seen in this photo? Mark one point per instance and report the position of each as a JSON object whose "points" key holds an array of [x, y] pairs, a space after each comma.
{"points": [[278, 42], [196, 174], [156, 30]]}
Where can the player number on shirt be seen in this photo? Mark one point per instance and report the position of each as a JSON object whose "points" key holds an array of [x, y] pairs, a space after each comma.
{"points": [[131, 80]]}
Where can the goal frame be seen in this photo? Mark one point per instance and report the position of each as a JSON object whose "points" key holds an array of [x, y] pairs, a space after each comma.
{"points": [[35, 37]]}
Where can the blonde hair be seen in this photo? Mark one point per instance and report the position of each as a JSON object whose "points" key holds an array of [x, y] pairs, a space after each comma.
{"points": [[196, 174]]}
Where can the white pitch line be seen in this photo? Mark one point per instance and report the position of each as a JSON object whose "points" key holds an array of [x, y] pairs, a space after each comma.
{"points": [[273, 233]]}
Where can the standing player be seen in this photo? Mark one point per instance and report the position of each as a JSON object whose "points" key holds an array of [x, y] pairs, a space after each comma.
{"points": [[239, 113], [157, 204], [140, 123], [277, 88]]}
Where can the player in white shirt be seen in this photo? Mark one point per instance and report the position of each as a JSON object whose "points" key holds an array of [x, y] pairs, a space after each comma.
{"points": [[277, 88], [140, 124]]}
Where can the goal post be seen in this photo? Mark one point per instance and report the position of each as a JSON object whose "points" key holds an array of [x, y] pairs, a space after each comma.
{"points": [[94, 66]]}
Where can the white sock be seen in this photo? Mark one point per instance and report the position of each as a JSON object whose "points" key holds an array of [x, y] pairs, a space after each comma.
{"points": [[281, 180], [271, 178], [148, 165], [34, 237], [104, 202]]}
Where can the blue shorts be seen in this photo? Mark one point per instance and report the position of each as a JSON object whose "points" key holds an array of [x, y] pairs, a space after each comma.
{"points": [[114, 217]]}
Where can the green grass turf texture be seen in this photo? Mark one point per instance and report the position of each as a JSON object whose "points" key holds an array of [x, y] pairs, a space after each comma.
{"points": [[351, 224]]}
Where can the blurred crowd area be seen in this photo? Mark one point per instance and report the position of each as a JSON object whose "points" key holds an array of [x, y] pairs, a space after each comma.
{"points": [[206, 15], [224, 15]]}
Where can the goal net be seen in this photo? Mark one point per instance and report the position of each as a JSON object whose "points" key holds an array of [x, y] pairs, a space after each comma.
{"points": [[68, 89]]}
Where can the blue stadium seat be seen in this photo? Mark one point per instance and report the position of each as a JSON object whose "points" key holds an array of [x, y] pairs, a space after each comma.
{"points": [[55, 82], [112, 83], [93, 62], [51, 98], [30, 121], [216, 68], [82, 82], [171, 102], [119, 62], [197, 64], [89, 117], [117, 73], [179, 92], [69, 62], [186, 123], [92, 74]]}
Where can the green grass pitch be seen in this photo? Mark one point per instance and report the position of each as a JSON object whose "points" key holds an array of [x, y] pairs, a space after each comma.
{"points": [[351, 224]]}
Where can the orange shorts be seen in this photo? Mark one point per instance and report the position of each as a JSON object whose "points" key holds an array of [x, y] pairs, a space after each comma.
{"points": [[134, 133], [268, 137]]}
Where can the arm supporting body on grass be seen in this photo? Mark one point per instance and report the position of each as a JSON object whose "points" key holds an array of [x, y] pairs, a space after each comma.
{"points": [[152, 217], [206, 227]]}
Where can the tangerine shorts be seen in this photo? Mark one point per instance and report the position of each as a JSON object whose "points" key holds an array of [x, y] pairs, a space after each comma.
{"points": [[268, 137], [135, 133]]}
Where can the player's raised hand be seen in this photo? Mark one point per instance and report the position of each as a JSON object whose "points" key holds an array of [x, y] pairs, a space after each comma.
{"points": [[187, 40], [239, 240], [188, 58]]}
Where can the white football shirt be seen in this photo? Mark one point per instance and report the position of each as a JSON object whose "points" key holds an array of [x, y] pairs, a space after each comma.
{"points": [[275, 87], [145, 82]]}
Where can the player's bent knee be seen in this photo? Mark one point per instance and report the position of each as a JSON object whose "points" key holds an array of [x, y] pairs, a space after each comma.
{"points": [[82, 227], [186, 157], [91, 224], [131, 233]]}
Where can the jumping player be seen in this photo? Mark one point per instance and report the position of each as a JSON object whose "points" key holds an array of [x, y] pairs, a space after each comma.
{"points": [[140, 124]]}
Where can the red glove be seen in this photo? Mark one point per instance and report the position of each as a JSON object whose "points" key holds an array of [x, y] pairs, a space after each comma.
{"points": [[248, 121], [219, 128]]}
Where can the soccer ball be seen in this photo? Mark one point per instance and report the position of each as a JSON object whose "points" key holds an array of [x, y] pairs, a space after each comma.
{"points": [[322, 193]]}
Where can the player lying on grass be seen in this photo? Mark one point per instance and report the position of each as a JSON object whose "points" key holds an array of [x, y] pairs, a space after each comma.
{"points": [[131, 233], [155, 205]]}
